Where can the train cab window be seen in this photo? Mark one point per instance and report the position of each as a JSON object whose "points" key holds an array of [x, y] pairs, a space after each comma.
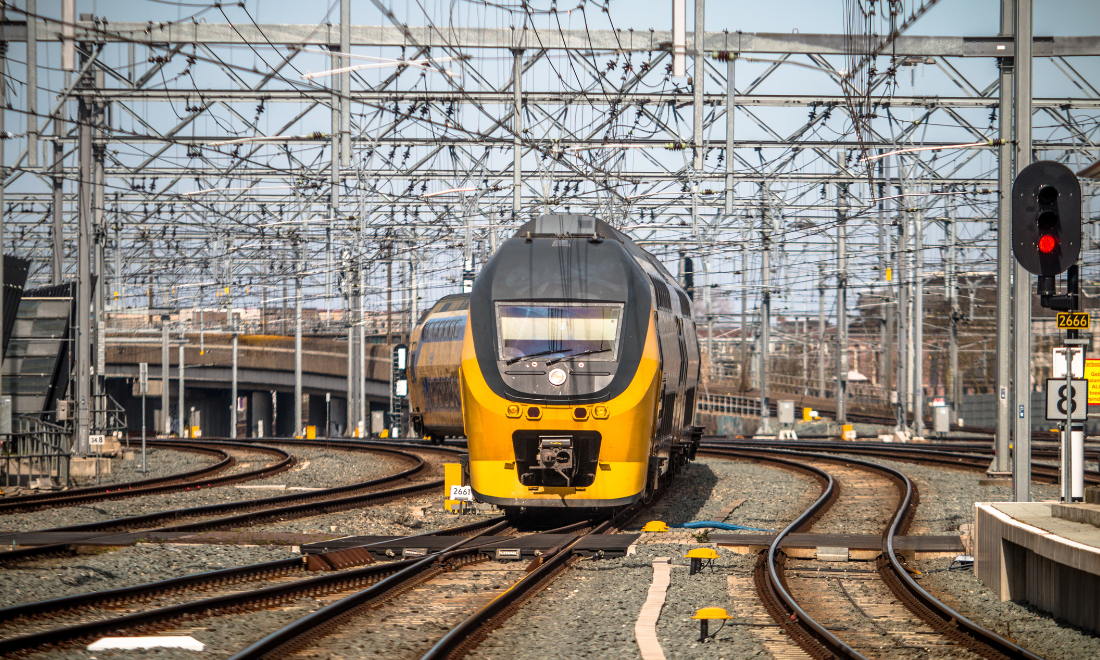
{"points": [[559, 330]]}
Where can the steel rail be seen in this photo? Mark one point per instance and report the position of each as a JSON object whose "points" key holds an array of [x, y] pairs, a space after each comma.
{"points": [[161, 485], [901, 453], [251, 572], [808, 633], [475, 628], [319, 622], [938, 615], [302, 504], [122, 489]]}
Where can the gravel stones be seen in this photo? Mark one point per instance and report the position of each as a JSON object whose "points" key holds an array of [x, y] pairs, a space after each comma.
{"points": [[318, 467], [947, 495], [1035, 630], [598, 601], [160, 463], [145, 562]]}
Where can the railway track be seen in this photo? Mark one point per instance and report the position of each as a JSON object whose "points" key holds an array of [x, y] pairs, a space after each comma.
{"points": [[149, 605], [839, 613], [459, 564], [201, 478], [244, 513], [925, 455]]}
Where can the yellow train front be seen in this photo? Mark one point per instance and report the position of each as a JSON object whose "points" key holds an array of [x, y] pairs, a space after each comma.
{"points": [[577, 364]]}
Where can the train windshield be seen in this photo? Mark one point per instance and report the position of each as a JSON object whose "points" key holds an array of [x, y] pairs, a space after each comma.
{"points": [[558, 330]]}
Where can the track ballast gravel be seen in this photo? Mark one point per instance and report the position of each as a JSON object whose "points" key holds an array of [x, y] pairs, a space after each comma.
{"points": [[161, 462], [317, 467]]}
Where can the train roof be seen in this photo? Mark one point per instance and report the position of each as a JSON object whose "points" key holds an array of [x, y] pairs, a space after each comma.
{"points": [[564, 225]]}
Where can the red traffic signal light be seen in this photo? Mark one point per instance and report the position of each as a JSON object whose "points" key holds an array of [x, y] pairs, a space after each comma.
{"points": [[1046, 218], [1047, 243]]}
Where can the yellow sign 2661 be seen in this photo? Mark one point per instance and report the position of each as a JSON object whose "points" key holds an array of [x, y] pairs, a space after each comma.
{"points": [[1073, 320]]}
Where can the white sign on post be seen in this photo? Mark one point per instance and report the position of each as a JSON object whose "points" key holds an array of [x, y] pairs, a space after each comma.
{"points": [[143, 378], [97, 440], [1076, 400], [1058, 363], [462, 493]]}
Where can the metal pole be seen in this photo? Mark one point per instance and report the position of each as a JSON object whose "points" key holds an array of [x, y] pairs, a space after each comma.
{"points": [[842, 303], [143, 470], [32, 83], [3, 179], [884, 245], [58, 182], [233, 390], [1001, 465], [164, 382], [954, 378], [744, 319], [517, 141], [180, 402], [99, 236], [698, 76], [345, 86], [821, 334], [298, 429], [731, 102], [918, 325], [765, 320], [84, 269], [679, 38], [1021, 469], [903, 310]]}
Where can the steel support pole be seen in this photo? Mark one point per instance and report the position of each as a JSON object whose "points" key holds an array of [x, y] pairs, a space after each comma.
{"points": [[744, 317], [32, 83], [698, 76], [298, 428], [679, 38], [918, 324], [952, 282], [842, 305], [233, 391], [1021, 470], [1001, 465], [345, 85], [180, 399], [731, 102], [821, 353], [84, 273], [517, 138], [164, 380], [765, 324], [904, 345], [3, 179], [58, 183], [99, 237]]}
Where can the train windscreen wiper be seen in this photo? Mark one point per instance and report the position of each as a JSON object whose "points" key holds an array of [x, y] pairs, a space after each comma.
{"points": [[573, 355], [539, 354]]}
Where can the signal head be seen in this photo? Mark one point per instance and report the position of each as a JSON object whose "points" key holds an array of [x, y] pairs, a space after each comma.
{"points": [[1046, 218]]}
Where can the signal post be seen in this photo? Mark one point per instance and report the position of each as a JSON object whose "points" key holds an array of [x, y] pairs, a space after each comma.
{"points": [[1046, 241]]}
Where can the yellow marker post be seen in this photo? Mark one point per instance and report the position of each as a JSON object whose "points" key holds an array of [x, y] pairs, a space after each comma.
{"points": [[807, 414], [709, 614], [311, 433], [452, 476]]}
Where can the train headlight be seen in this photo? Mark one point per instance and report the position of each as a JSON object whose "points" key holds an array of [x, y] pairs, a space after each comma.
{"points": [[600, 412], [557, 377], [513, 410]]}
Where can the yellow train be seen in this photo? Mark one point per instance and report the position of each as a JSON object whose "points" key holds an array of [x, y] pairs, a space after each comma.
{"points": [[571, 368]]}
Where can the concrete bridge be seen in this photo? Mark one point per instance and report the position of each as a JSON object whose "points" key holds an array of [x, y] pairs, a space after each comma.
{"points": [[265, 380]]}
